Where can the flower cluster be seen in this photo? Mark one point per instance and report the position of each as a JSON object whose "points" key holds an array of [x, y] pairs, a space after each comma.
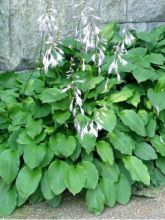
{"points": [[48, 25], [120, 50], [89, 34]]}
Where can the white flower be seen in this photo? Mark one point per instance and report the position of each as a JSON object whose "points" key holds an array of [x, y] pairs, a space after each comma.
{"points": [[49, 60], [161, 140], [157, 109], [113, 66], [83, 65], [129, 39], [79, 101], [122, 61], [99, 127], [93, 131], [93, 58]]}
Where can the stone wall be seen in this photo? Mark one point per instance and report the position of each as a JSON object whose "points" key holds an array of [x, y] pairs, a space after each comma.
{"points": [[20, 40]]}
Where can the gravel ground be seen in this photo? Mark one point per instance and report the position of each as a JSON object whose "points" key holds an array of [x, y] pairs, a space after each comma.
{"points": [[74, 208]]}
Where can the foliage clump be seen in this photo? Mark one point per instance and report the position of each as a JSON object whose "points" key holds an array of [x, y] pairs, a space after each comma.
{"points": [[83, 129]]}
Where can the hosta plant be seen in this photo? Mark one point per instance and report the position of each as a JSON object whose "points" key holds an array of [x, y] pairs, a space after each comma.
{"points": [[92, 124]]}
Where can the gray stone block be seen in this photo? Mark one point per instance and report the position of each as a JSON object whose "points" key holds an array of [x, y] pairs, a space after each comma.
{"points": [[134, 26], [20, 40], [113, 10], [146, 10], [152, 25]]}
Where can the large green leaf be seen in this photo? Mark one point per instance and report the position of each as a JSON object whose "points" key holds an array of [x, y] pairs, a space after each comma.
{"points": [[158, 144], [34, 154], [156, 99], [33, 127], [156, 58], [142, 74], [91, 174], [109, 190], [9, 165], [109, 171], [144, 116], [56, 174], [51, 95], [62, 145], [109, 30], [24, 138], [131, 119], [122, 95], [137, 169], [160, 163], [105, 152], [61, 117], [135, 98], [88, 142], [75, 178], [123, 189], [55, 202], [122, 142], [45, 187], [95, 200], [48, 157], [8, 199], [28, 181], [106, 118], [151, 128], [145, 151]]}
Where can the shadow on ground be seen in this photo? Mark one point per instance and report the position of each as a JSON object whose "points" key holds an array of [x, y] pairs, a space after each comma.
{"points": [[74, 208]]}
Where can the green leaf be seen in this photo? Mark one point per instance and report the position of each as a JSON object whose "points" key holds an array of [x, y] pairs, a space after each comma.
{"points": [[36, 197], [91, 175], [156, 99], [51, 95], [9, 165], [34, 154], [56, 174], [34, 127], [123, 95], [158, 144], [88, 142], [109, 171], [105, 152], [123, 189], [144, 116], [48, 157], [95, 200], [135, 99], [160, 163], [62, 145], [39, 111], [109, 190], [75, 178], [8, 199], [24, 139], [61, 117], [28, 181], [55, 202], [45, 187], [141, 74], [151, 128], [138, 51], [122, 142], [131, 119], [145, 151], [137, 169], [156, 58], [109, 30], [106, 118]]}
